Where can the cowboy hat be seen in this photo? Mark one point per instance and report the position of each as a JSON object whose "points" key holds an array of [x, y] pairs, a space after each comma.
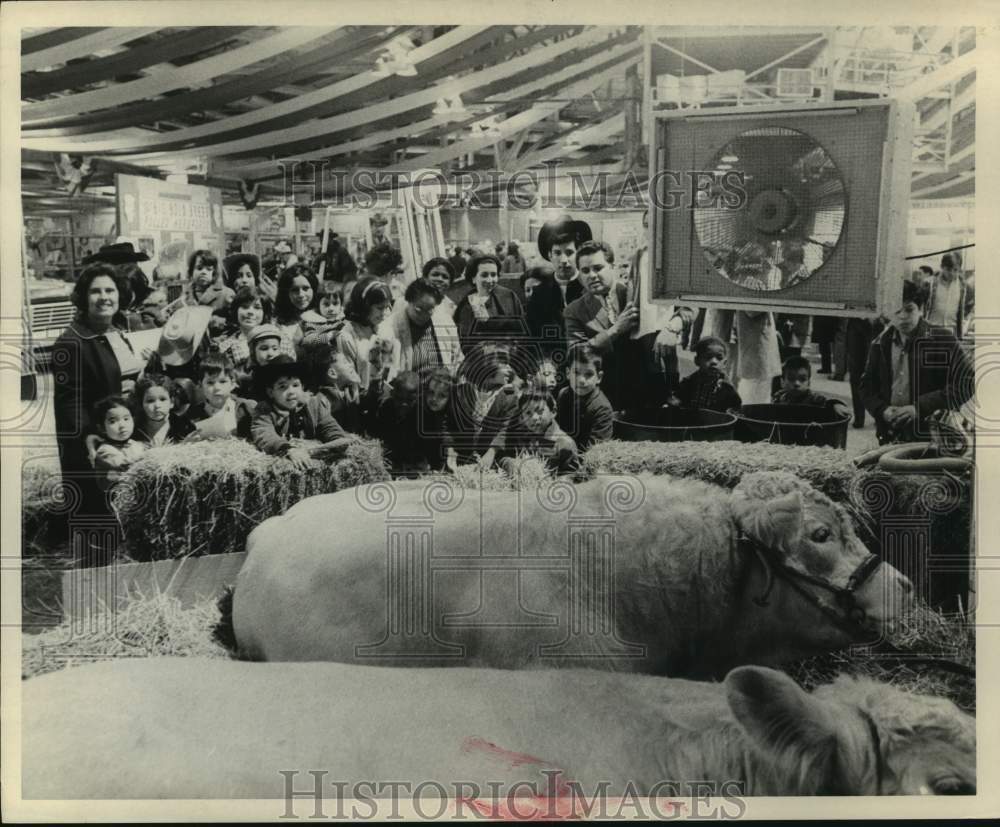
{"points": [[121, 253], [232, 263], [579, 231], [281, 365], [183, 333]]}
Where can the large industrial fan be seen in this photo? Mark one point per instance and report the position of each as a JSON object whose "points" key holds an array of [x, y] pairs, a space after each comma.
{"points": [[789, 208]]}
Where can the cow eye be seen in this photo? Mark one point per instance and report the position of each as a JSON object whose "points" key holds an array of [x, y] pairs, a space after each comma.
{"points": [[953, 786], [820, 535]]}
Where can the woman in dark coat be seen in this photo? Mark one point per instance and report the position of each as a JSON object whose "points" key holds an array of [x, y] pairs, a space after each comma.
{"points": [[490, 312], [86, 368]]}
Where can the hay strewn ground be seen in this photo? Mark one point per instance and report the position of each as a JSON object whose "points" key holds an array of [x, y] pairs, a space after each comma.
{"points": [[149, 626]]}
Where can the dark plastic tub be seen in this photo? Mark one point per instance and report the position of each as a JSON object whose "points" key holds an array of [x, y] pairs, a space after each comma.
{"points": [[792, 425], [674, 425]]}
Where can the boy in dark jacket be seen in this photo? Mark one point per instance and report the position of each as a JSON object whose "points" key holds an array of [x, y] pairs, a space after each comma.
{"points": [[395, 424], [222, 413], [914, 369], [796, 375], [582, 409], [536, 432], [707, 388], [288, 423]]}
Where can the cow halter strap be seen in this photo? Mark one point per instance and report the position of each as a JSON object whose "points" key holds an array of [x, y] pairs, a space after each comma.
{"points": [[854, 616]]}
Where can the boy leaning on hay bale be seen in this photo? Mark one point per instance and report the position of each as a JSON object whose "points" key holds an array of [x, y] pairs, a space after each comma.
{"points": [[291, 423]]}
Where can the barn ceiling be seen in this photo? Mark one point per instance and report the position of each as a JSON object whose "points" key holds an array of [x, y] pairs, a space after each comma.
{"points": [[225, 104]]}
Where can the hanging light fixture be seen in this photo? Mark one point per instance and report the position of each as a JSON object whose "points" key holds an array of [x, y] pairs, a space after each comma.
{"points": [[450, 108], [396, 59], [489, 127]]}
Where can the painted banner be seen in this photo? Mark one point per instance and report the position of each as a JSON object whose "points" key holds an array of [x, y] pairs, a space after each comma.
{"points": [[173, 218]]}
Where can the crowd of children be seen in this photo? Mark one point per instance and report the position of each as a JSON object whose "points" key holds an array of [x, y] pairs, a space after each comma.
{"points": [[285, 365]]}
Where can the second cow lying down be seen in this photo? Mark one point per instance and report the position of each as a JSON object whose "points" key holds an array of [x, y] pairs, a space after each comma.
{"points": [[189, 728], [642, 574]]}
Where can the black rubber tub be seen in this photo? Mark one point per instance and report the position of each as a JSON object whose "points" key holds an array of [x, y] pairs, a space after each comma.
{"points": [[792, 425], [674, 425]]}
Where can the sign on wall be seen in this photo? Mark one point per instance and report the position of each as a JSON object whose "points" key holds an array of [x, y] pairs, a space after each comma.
{"points": [[171, 218]]}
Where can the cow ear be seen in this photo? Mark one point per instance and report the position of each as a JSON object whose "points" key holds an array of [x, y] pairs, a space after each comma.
{"points": [[785, 722], [777, 523]]}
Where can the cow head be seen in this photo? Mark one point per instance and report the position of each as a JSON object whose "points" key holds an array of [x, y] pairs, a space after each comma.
{"points": [[854, 736], [808, 534]]}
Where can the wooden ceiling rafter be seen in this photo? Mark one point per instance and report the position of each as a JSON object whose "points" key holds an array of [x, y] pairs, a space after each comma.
{"points": [[511, 126], [555, 72], [175, 78], [438, 68], [113, 143], [377, 111], [101, 40], [77, 75], [235, 91], [56, 37]]}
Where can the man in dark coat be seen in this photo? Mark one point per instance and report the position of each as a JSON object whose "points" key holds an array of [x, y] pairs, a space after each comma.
{"points": [[602, 318], [340, 267], [914, 369], [558, 242]]}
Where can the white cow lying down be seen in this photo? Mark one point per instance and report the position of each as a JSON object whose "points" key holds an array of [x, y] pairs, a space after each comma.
{"points": [[333, 580], [193, 728]]}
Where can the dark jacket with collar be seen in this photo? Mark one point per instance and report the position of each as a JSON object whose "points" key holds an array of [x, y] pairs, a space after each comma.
{"points": [[85, 370], [272, 431], [587, 320], [941, 376], [574, 290], [507, 320], [587, 420]]}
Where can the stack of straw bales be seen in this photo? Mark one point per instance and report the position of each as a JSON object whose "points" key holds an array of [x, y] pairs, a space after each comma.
{"points": [[206, 497]]}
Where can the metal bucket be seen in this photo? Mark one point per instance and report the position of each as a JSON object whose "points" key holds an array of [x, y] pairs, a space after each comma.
{"points": [[792, 425], [674, 425]]}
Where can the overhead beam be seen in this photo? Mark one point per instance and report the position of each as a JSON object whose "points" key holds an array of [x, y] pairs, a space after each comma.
{"points": [[961, 178], [180, 77], [512, 126], [784, 57], [196, 136], [109, 38], [947, 73]]}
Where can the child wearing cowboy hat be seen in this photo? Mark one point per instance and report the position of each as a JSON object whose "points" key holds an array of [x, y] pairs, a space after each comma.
{"points": [[290, 423]]}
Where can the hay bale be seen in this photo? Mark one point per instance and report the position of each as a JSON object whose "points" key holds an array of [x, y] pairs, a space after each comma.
{"points": [[205, 498], [725, 463]]}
